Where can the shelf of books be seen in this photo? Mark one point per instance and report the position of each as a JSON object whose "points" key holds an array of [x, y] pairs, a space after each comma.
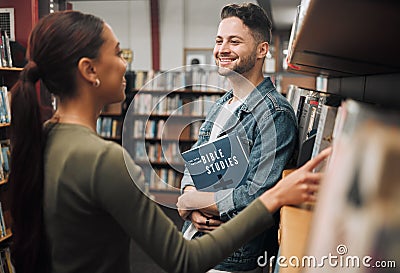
{"points": [[361, 176], [109, 123], [8, 76], [163, 119], [357, 210]]}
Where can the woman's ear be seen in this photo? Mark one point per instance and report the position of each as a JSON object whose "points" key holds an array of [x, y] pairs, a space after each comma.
{"points": [[87, 70], [262, 49]]}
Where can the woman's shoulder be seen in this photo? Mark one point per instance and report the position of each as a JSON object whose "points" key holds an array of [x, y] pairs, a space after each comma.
{"points": [[78, 138]]}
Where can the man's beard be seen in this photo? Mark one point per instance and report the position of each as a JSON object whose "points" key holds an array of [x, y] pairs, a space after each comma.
{"points": [[245, 65]]}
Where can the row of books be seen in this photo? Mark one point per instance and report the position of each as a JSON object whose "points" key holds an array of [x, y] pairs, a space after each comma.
{"points": [[160, 129], [4, 159], [5, 113], [162, 178], [5, 261], [358, 200], [157, 152], [153, 104], [316, 114], [5, 50], [196, 77], [109, 127]]}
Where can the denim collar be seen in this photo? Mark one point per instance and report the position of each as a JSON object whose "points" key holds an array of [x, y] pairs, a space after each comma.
{"points": [[255, 97]]}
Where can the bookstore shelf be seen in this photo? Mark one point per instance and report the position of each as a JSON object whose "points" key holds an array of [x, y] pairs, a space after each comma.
{"points": [[117, 139], [160, 163], [8, 76], [167, 116], [7, 236], [182, 92], [149, 139], [351, 44], [11, 69], [360, 43], [165, 122], [112, 115]]}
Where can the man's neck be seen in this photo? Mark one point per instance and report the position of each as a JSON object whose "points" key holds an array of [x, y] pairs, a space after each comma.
{"points": [[243, 85]]}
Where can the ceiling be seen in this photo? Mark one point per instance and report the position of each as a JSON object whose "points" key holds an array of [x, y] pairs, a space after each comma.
{"points": [[281, 12]]}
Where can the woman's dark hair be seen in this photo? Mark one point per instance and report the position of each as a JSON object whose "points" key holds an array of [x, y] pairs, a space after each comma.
{"points": [[55, 46], [253, 16]]}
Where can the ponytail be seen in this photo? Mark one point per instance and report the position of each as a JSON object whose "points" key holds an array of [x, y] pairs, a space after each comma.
{"points": [[29, 247]]}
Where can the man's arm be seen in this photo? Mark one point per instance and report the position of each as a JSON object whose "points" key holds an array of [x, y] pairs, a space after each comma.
{"points": [[272, 149]]}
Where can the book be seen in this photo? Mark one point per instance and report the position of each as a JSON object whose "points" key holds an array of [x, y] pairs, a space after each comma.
{"points": [[307, 117], [219, 164], [324, 136], [305, 151]]}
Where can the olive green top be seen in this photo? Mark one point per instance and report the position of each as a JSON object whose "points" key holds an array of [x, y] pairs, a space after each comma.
{"points": [[93, 208]]}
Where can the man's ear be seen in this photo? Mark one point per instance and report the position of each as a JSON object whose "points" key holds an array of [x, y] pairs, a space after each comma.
{"points": [[87, 69], [262, 49]]}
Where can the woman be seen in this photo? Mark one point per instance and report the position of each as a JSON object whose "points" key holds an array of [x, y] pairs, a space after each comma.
{"points": [[75, 207]]}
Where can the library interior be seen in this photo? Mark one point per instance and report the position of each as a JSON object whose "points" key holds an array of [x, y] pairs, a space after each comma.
{"points": [[333, 62]]}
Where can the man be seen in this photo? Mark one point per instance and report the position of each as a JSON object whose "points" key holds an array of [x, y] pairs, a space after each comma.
{"points": [[261, 117]]}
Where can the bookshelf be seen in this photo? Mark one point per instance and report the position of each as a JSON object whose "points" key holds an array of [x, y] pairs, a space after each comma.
{"points": [[8, 76], [109, 125], [355, 54], [163, 124]]}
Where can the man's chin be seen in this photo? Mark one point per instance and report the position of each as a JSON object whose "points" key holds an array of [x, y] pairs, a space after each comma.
{"points": [[223, 71]]}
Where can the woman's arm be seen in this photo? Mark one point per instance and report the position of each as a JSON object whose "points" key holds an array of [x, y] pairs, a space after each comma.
{"points": [[145, 222]]}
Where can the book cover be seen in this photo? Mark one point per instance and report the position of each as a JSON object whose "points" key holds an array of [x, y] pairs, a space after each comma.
{"points": [[217, 165]]}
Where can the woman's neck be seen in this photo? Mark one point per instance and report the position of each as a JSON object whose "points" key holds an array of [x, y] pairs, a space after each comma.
{"points": [[84, 118]]}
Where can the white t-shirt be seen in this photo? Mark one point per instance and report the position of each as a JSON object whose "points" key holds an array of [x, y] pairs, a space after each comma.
{"points": [[226, 112]]}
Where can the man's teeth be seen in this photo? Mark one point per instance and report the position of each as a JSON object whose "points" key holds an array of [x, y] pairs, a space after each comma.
{"points": [[226, 60]]}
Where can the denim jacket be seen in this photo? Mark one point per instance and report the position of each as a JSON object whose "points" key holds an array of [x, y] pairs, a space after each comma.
{"points": [[267, 126]]}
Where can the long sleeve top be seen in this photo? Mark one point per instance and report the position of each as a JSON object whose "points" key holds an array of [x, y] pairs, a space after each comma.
{"points": [[94, 205]]}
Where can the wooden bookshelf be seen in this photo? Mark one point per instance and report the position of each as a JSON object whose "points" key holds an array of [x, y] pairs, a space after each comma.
{"points": [[7, 236], [182, 92], [11, 69], [8, 76], [294, 229], [110, 122], [179, 130]]}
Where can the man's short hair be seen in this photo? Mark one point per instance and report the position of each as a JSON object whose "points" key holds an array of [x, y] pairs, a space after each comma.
{"points": [[253, 16]]}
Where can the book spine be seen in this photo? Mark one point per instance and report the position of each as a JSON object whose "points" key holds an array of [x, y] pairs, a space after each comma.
{"points": [[2, 222]]}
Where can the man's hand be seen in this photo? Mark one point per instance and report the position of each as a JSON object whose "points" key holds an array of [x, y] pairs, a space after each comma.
{"points": [[184, 213], [192, 200], [204, 222]]}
